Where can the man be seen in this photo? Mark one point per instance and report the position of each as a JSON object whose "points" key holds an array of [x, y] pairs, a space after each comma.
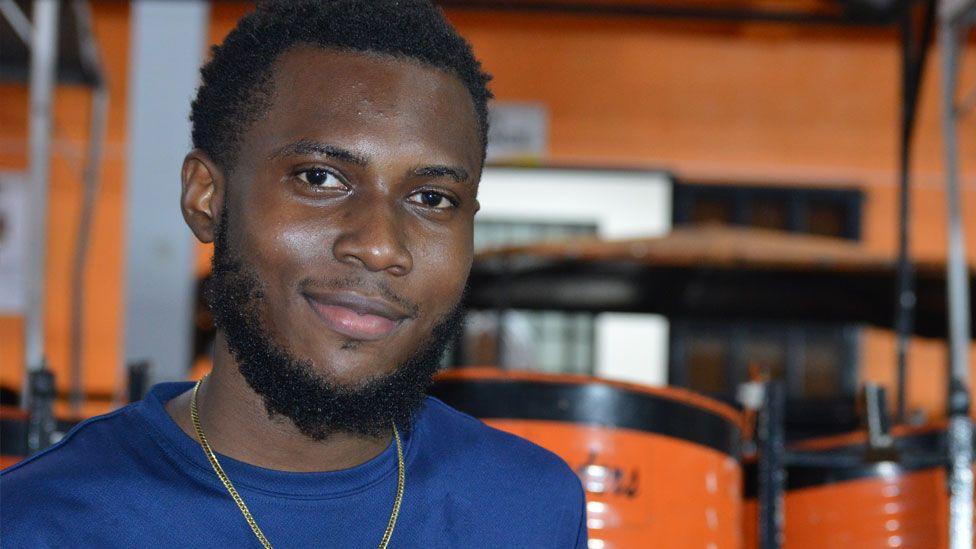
{"points": [[338, 149]]}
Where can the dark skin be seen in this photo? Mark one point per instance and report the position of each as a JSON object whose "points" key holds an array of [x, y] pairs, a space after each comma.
{"points": [[364, 169]]}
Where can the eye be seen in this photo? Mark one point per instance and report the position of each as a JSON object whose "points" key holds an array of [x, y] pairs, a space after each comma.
{"points": [[320, 178], [433, 199]]}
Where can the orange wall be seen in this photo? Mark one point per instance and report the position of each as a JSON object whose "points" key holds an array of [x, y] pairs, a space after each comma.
{"points": [[747, 102]]}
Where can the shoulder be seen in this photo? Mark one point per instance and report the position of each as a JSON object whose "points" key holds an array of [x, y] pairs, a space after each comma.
{"points": [[103, 449], [499, 455], [89, 434], [91, 452]]}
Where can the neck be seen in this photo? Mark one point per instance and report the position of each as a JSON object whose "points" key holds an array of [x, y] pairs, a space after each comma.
{"points": [[237, 425]]}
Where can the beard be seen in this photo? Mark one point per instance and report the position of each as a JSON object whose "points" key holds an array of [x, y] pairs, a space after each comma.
{"points": [[291, 386]]}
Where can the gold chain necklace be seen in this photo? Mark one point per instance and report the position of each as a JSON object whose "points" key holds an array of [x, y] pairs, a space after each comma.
{"points": [[401, 478]]}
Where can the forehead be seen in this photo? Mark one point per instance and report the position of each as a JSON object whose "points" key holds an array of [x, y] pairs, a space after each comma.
{"points": [[368, 100]]}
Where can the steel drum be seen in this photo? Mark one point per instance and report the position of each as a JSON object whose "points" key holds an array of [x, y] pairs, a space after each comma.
{"points": [[660, 466], [883, 504]]}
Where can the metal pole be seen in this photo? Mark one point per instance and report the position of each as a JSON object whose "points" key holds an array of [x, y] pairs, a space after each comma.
{"points": [[40, 424], [957, 272], [44, 47], [960, 432], [96, 139], [905, 293], [960, 482], [138, 380], [914, 50], [772, 472]]}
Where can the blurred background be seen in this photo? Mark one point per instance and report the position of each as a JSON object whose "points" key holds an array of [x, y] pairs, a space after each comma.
{"points": [[680, 195]]}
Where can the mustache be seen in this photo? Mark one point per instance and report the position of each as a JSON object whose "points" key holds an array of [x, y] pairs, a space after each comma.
{"points": [[361, 285]]}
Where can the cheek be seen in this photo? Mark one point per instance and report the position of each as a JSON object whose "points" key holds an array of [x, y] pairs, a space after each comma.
{"points": [[281, 236], [280, 246], [286, 252], [303, 242], [443, 264]]}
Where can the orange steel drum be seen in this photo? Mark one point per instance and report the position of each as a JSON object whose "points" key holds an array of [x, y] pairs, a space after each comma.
{"points": [[660, 466], [885, 504]]}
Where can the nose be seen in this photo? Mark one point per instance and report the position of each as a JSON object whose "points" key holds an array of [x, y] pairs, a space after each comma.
{"points": [[372, 237]]}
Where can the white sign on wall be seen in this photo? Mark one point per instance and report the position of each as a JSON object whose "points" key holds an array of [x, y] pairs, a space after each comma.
{"points": [[13, 242], [517, 131]]}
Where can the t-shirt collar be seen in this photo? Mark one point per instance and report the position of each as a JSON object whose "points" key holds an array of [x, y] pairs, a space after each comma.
{"points": [[316, 485]]}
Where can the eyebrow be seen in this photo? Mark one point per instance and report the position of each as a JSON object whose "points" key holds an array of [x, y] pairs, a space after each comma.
{"points": [[457, 173], [308, 146]]}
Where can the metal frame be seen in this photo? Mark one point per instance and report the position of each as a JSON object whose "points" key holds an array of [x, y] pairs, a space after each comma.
{"points": [[956, 19]]}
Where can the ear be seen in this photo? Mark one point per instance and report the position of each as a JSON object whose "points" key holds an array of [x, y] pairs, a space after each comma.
{"points": [[203, 194]]}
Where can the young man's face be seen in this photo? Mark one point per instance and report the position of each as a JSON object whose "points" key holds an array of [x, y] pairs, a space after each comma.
{"points": [[352, 203]]}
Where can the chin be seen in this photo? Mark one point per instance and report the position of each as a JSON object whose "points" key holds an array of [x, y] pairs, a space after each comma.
{"points": [[352, 360], [351, 363]]}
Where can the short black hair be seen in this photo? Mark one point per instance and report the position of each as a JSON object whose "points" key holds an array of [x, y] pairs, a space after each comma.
{"points": [[236, 83]]}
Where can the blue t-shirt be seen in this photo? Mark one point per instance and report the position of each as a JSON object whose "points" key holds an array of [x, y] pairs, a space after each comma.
{"points": [[133, 478]]}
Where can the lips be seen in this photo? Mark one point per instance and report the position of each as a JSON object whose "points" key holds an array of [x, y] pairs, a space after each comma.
{"points": [[355, 316]]}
